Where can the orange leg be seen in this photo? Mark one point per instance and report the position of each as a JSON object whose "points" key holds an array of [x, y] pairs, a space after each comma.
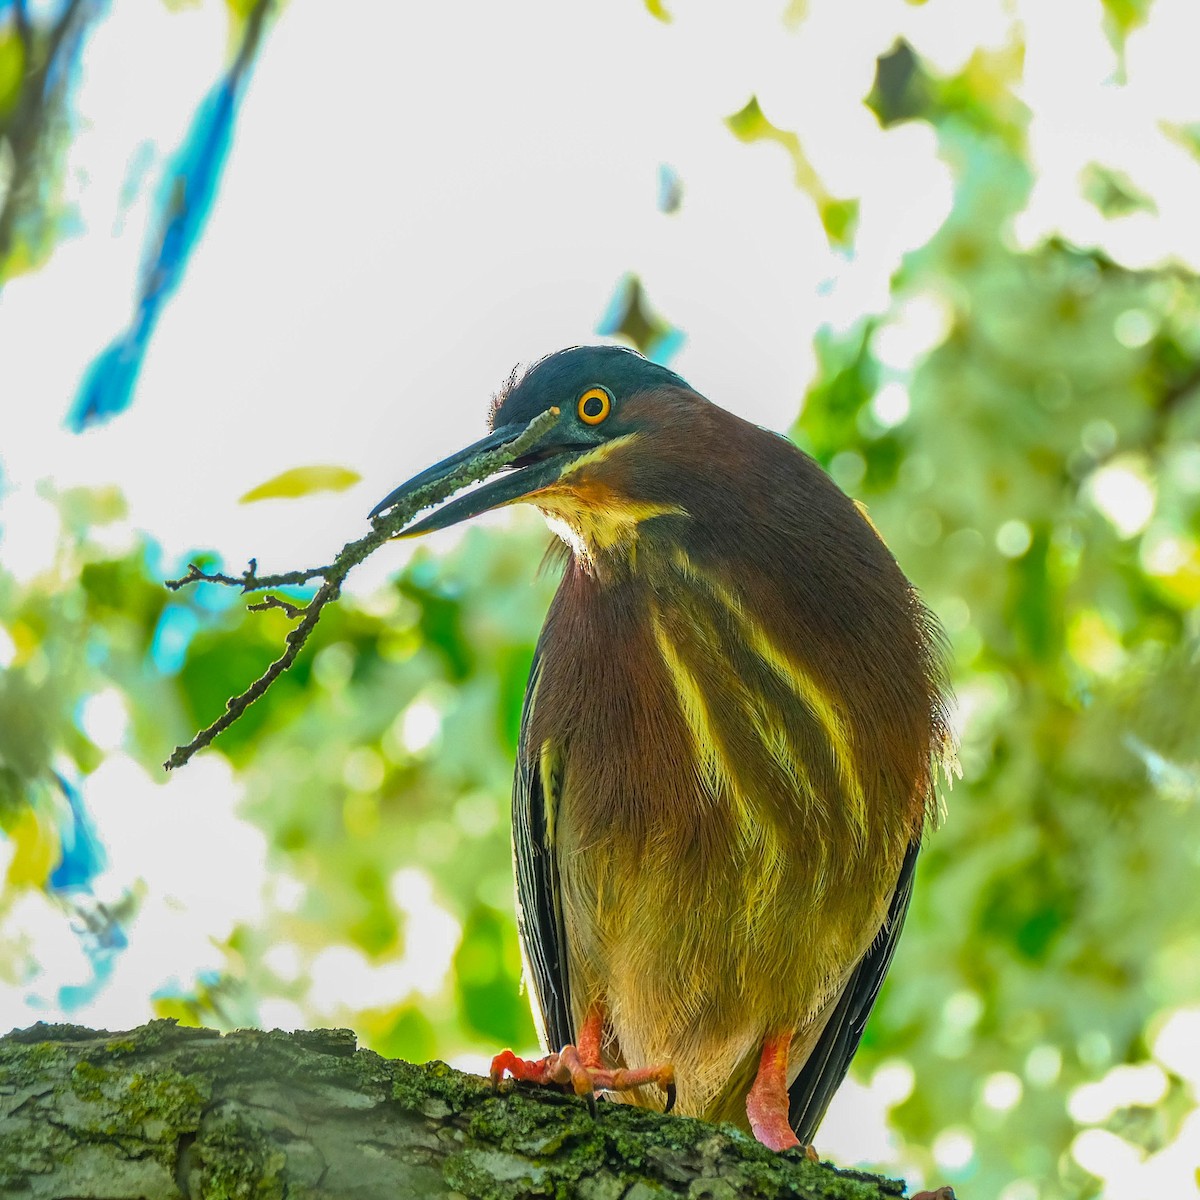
{"points": [[767, 1101], [582, 1067]]}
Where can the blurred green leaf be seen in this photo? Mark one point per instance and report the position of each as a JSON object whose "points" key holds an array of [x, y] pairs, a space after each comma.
{"points": [[1122, 17], [488, 980], [440, 622], [631, 318], [901, 91], [303, 481], [12, 67], [839, 217], [407, 1034], [1113, 192]]}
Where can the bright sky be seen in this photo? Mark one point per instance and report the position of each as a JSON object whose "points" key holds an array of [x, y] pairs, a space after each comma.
{"points": [[407, 212], [421, 196]]}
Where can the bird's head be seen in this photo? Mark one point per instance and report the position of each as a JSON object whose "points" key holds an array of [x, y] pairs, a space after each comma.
{"points": [[600, 468]]}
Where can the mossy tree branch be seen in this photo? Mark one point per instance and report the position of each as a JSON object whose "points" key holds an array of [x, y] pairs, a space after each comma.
{"points": [[168, 1113], [383, 529]]}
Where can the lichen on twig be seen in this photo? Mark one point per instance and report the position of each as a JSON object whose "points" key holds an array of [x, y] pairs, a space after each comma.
{"points": [[383, 529]]}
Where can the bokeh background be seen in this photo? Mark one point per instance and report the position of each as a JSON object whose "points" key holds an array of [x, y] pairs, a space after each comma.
{"points": [[259, 262]]}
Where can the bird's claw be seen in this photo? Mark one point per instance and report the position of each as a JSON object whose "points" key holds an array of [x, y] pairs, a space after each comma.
{"points": [[584, 1078]]}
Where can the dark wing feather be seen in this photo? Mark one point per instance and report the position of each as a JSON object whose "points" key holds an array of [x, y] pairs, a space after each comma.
{"points": [[539, 903], [826, 1067]]}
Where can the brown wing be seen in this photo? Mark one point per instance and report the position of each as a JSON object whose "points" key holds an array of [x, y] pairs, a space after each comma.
{"points": [[826, 1066]]}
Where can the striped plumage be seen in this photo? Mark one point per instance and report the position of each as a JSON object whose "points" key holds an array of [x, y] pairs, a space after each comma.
{"points": [[726, 755]]}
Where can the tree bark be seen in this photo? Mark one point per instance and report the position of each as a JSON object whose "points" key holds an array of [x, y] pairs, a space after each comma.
{"points": [[170, 1113]]}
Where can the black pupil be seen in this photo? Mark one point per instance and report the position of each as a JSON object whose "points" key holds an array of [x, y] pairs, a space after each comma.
{"points": [[593, 406]]}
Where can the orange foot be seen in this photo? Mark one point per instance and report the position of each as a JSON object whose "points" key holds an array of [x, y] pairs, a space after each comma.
{"points": [[581, 1067], [767, 1101]]}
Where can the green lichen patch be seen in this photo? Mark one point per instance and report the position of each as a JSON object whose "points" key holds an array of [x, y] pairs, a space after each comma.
{"points": [[539, 1129], [30, 1149], [166, 1103], [411, 1086], [485, 1174], [237, 1161], [88, 1082], [21, 1066], [144, 1111], [634, 1132]]}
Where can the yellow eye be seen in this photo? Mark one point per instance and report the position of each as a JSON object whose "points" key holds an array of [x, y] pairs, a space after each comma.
{"points": [[594, 405]]}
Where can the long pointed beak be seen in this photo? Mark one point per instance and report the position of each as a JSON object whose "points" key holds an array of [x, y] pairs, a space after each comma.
{"points": [[504, 489]]}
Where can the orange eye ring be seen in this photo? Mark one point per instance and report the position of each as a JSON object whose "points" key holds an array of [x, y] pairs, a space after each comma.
{"points": [[594, 405]]}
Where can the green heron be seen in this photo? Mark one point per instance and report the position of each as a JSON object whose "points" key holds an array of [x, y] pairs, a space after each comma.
{"points": [[727, 753]]}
